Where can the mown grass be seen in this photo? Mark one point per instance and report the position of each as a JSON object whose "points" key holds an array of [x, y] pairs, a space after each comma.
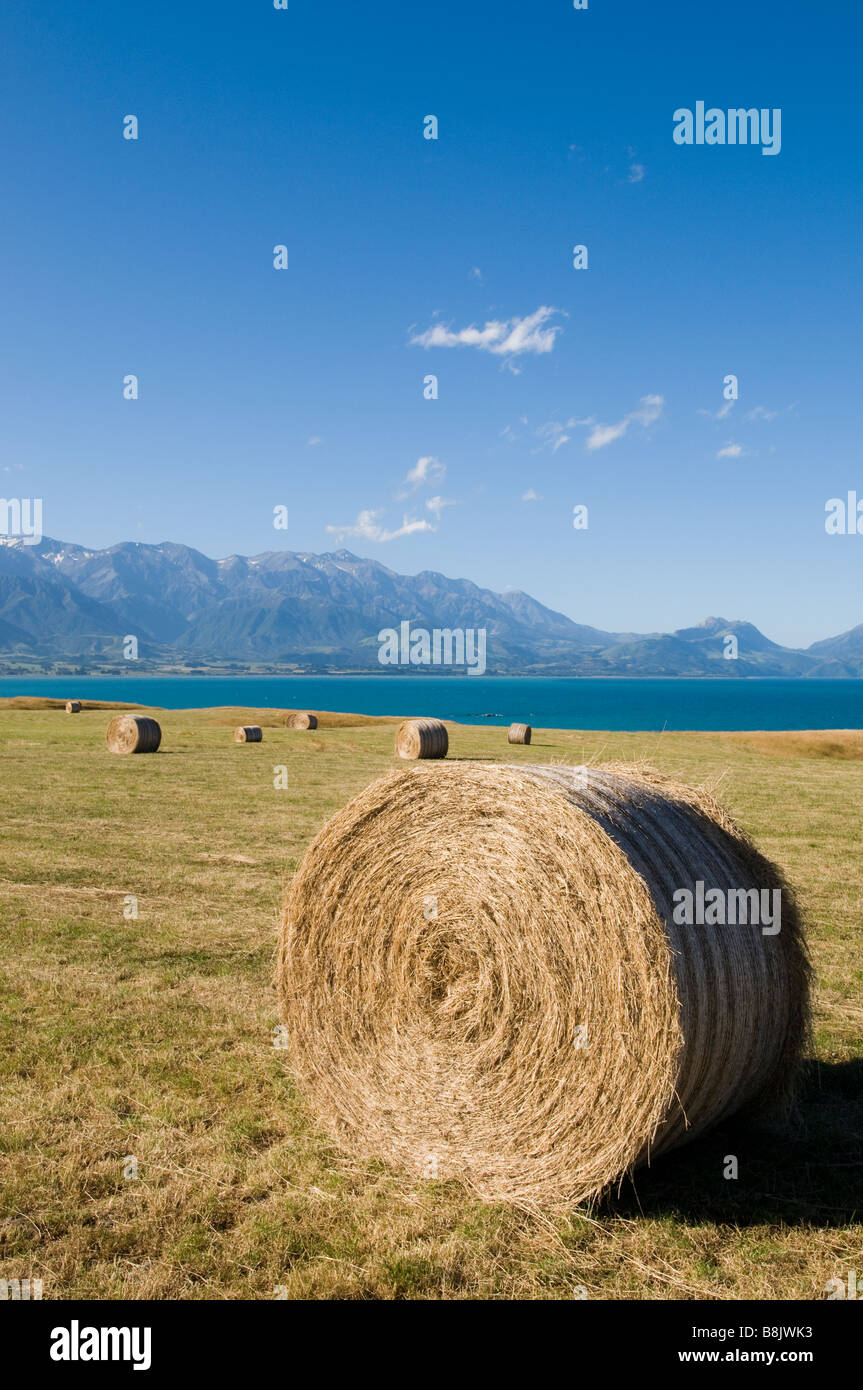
{"points": [[152, 1040]]}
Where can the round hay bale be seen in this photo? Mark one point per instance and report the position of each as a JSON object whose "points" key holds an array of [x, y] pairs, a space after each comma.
{"points": [[481, 976], [519, 733], [133, 733], [248, 733], [73, 706], [421, 738], [301, 720]]}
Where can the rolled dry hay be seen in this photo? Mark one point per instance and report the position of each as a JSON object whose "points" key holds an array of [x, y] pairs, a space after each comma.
{"points": [[421, 738], [248, 733], [301, 720], [481, 976], [133, 733], [73, 706], [519, 733]]}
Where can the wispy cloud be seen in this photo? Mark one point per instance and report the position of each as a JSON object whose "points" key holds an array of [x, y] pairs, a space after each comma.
{"points": [[315, 439], [647, 414], [530, 496], [636, 170], [720, 414], [554, 435], [730, 451], [507, 338], [367, 527], [602, 435], [476, 274], [426, 470], [437, 504], [510, 434], [759, 413]]}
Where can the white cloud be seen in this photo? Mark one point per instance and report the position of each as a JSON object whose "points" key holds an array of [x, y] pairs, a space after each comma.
{"points": [[368, 525], [315, 439], [437, 504], [651, 409], [367, 528], [503, 337], [648, 412], [759, 413], [554, 434], [426, 470], [636, 170], [730, 451], [530, 496], [601, 435], [512, 435], [476, 274], [719, 414]]}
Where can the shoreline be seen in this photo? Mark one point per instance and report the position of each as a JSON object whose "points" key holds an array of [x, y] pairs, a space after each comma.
{"points": [[273, 718], [420, 673]]}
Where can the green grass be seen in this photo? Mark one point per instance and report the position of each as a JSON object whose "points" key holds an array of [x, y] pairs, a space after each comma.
{"points": [[151, 1039]]}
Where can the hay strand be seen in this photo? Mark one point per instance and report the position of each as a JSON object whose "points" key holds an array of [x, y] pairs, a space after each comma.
{"points": [[519, 733], [248, 733], [133, 733], [301, 719], [73, 706], [481, 977], [422, 738]]}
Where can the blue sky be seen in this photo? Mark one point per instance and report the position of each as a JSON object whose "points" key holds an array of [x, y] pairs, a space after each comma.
{"points": [[304, 387]]}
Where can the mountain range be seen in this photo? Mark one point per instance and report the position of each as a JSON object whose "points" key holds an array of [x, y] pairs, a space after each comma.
{"points": [[63, 604]]}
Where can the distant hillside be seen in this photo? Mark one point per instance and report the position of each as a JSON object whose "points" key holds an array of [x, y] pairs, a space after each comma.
{"points": [[62, 604]]}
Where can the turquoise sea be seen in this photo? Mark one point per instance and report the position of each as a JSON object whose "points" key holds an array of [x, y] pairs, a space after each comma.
{"points": [[549, 702]]}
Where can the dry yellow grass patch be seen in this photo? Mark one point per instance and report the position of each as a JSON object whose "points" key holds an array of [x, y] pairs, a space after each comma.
{"points": [[842, 744], [152, 1038]]}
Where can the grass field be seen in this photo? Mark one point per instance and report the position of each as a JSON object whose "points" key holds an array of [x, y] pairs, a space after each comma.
{"points": [[152, 1039]]}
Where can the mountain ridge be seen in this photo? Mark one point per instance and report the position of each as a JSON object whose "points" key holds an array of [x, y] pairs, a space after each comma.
{"points": [[65, 603]]}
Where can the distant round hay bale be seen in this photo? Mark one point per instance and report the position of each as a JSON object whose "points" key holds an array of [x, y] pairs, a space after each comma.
{"points": [[519, 733], [73, 706], [422, 738], [301, 720], [133, 733], [481, 976], [248, 733]]}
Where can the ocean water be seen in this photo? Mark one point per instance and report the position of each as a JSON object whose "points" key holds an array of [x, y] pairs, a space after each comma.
{"points": [[547, 702]]}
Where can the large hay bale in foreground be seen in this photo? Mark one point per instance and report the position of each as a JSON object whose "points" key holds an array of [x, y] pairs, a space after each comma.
{"points": [[133, 733], [422, 738], [73, 706], [481, 977], [301, 720], [248, 733], [519, 733]]}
